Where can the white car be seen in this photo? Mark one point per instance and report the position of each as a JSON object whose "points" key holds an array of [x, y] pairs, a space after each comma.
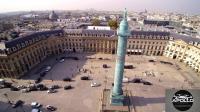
{"points": [[47, 68], [35, 105], [125, 80], [95, 84], [36, 110], [51, 91], [62, 60]]}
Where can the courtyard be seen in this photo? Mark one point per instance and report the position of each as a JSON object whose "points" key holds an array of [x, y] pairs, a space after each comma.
{"points": [[84, 98]]}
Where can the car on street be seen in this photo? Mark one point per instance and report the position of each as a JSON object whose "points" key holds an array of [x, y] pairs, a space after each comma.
{"points": [[42, 74], [95, 84], [67, 87], [38, 80], [54, 87], [35, 105], [147, 83], [17, 103], [51, 108], [125, 80], [61, 60], [36, 110], [128, 67], [67, 79], [105, 66], [51, 91], [13, 88], [137, 80], [48, 68], [25, 90], [85, 78]]}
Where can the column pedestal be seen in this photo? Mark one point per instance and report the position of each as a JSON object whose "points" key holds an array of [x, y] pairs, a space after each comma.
{"points": [[117, 100]]}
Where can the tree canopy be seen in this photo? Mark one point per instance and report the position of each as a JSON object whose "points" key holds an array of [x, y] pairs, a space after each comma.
{"points": [[113, 24], [95, 22]]}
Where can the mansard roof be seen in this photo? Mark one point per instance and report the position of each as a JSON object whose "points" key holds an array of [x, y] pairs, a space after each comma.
{"points": [[150, 33], [35, 35], [187, 39]]}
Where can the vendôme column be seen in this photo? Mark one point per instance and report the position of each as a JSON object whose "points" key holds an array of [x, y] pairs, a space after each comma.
{"points": [[123, 33]]}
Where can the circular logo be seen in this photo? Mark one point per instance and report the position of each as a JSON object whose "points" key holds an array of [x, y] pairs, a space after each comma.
{"points": [[182, 100]]}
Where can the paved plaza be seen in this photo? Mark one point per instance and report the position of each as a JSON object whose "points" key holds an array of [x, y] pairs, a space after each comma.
{"points": [[84, 98]]}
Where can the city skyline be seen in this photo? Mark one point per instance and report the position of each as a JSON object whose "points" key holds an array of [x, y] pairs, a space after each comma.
{"points": [[180, 6]]}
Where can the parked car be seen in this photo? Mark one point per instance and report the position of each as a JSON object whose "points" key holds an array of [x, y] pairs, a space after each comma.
{"points": [[38, 80], [51, 91], [67, 87], [13, 88], [32, 87], [2, 81], [67, 79], [25, 90], [2, 86], [42, 74], [105, 66], [85, 78], [137, 80], [48, 68], [95, 84], [51, 108], [35, 105], [152, 61], [36, 110], [55, 87], [147, 83], [100, 58], [21, 87], [7, 85], [41, 87], [125, 80], [61, 60], [18, 103], [128, 67]]}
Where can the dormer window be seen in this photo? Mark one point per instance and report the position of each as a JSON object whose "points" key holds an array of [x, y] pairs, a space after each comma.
{"points": [[14, 48], [23, 45]]}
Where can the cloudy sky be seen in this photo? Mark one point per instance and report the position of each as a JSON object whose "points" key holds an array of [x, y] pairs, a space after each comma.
{"points": [[183, 6]]}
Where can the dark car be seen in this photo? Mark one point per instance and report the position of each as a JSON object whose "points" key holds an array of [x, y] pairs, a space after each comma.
{"points": [[33, 88], [67, 79], [76, 58], [38, 80], [84, 78], [18, 103], [137, 80], [105, 66], [55, 87], [128, 67], [147, 83], [41, 87], [7, 84], [152, 61], [12, 88], [43, 74], [51, 108], [67, 87]]}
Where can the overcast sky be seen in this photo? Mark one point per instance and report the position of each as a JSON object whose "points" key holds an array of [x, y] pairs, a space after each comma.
{"points": [[183, 6]]}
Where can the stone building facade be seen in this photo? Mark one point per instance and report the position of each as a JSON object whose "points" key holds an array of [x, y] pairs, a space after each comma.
{"points": [[19, 55]]}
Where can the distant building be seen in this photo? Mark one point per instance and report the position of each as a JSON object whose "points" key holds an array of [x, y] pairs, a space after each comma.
{"points": [[156, 22], [53, 16], [98, 28]]}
